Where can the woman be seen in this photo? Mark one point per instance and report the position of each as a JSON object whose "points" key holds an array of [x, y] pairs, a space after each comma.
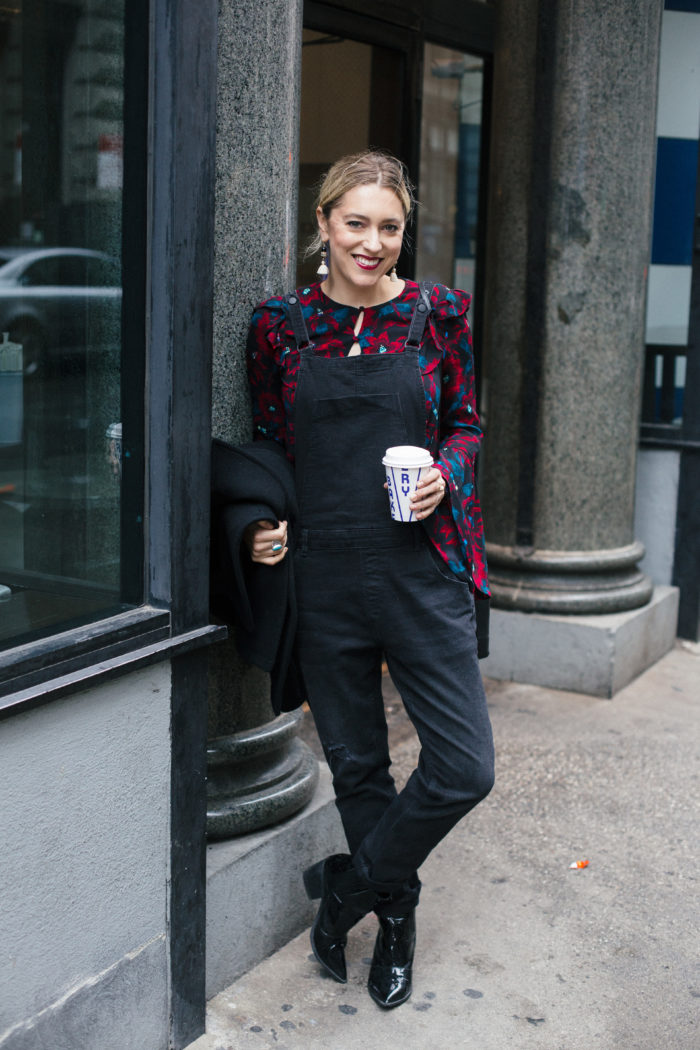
{"points": [[336, 389]]}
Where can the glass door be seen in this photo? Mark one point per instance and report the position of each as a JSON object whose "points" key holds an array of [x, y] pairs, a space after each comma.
{"points": [[450, 164], [342, 79], [368, 83]]}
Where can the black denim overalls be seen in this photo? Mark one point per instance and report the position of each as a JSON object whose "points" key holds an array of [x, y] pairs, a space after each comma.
{"points": [[367, 588]]}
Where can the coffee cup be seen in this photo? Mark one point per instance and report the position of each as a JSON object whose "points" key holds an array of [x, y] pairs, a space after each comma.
{"points": [[404, 465]]}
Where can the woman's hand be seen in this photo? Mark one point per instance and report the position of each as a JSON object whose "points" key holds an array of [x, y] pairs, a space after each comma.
{"points": [[266, 543], [430, 491]]}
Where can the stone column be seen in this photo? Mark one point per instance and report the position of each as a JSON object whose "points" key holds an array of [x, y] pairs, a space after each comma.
{"points": [[258, 771], [572, 169]]}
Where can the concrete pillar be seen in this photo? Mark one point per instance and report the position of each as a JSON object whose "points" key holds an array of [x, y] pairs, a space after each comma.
{"points": [[258, 771], [572, 169]]}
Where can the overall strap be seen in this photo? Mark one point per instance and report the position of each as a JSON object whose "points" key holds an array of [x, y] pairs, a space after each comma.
{"points": [[419, 318], [421, 312], [296, 316]]}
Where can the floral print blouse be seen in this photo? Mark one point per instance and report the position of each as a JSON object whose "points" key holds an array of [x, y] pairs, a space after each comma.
{"points": [[452, 430]]}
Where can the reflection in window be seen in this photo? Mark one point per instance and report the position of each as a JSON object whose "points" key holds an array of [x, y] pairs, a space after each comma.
{"points": [[664, 385], [61, 111], [449, 167]]}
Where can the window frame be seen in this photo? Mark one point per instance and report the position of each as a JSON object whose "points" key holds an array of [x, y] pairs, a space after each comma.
{"points": [[168, 185]]}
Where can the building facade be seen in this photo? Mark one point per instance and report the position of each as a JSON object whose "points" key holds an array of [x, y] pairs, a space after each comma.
{"points": [[157, 165]]}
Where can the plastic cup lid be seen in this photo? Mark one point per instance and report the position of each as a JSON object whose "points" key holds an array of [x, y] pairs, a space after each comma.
{"points": [[407, 456]]}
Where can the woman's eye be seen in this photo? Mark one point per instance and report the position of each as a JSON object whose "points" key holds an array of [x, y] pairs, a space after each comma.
{"points": [[390, 228], [354, 223]]}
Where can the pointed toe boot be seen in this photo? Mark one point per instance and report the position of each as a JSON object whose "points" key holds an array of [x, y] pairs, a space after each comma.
{"points": [[345, 899], [390, 974]]}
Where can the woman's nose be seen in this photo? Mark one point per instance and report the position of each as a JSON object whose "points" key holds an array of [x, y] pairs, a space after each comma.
{"points": [[372, 240]]}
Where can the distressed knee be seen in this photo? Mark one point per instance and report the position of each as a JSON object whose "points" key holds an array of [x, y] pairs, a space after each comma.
{"points": [[352, 773]]}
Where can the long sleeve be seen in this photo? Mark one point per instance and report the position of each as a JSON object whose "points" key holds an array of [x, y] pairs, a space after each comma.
{"points": [[459, 429], [456, 438], [263, 352]]}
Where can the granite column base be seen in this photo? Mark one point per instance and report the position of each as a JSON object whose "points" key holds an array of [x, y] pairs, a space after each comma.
{"points": [[258, 777], [255, 893], [596, 655], [602, 581]]}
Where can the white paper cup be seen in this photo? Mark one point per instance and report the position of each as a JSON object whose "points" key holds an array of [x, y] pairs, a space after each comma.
{"points": [[404, 465]]}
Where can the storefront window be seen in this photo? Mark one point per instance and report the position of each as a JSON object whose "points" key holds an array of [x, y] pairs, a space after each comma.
{"points": [[61, 128]]}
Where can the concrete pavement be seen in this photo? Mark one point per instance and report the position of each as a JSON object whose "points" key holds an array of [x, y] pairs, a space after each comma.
{"points": [[515, 950]]}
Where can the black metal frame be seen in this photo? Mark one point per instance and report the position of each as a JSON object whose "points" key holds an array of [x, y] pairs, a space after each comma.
{"points": [[464, 24], [183, 124], [170, 109], [134, 267]]}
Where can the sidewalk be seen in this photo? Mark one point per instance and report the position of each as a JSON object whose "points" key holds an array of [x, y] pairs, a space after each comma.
{"points": [[515, 950]]}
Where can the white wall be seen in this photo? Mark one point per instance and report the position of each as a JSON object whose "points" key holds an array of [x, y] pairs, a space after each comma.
{"points": [[84, 859], [655, 510]]}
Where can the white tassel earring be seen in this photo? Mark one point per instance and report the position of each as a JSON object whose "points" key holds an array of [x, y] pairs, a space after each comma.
{"points": [[323, 268], [392, 276]]}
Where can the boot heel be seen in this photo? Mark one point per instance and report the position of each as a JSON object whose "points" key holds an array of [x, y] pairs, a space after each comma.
{"points": [[313, 880]]}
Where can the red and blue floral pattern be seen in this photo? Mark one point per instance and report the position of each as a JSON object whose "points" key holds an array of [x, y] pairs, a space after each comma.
{"points": [[452, 432]]}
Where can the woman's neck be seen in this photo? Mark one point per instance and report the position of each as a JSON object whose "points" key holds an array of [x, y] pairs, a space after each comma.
{"points": [[383, 292]]}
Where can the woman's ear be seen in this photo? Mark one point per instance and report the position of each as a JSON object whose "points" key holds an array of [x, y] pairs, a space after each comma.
{"points": [[322, 224]]}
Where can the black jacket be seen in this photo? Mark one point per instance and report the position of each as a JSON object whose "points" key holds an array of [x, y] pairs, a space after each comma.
{"points": [[255, 482]]}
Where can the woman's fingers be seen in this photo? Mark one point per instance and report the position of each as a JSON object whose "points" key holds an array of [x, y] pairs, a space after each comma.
{"points": [[430, 491], [267, 542]]}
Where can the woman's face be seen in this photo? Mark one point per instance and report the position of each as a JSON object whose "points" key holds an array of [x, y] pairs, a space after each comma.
{"points": [[364, 233]]}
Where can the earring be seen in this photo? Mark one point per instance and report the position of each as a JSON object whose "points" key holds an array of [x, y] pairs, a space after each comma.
{"points": [[392, 276], [323, 268]]}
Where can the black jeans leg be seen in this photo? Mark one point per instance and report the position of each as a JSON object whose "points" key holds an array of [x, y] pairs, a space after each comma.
{"points": [[400, 602]]}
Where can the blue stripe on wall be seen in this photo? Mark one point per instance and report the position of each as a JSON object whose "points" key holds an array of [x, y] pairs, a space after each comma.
{"points": [[674, 206], [683, 5]]}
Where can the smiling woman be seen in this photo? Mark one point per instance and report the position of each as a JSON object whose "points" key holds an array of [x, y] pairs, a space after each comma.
{"points": [[340, 372], [60, 307]]}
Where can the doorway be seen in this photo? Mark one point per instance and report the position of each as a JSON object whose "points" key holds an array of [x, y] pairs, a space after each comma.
{"points": [[340, 79], [420, 91]]}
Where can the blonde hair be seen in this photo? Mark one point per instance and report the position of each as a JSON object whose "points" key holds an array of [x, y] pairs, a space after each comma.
{"points": [[367, 168]]}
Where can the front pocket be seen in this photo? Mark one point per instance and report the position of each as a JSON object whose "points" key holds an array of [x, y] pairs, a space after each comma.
{"points": [[441, 567], [343, 472]]}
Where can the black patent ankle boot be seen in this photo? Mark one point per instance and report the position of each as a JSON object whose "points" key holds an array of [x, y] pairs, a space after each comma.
{"points": [[345, 899], [390, 974]]}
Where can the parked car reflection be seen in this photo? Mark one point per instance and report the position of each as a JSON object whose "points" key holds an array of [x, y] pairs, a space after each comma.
{"points": [[8, 254], [59, 303]]}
